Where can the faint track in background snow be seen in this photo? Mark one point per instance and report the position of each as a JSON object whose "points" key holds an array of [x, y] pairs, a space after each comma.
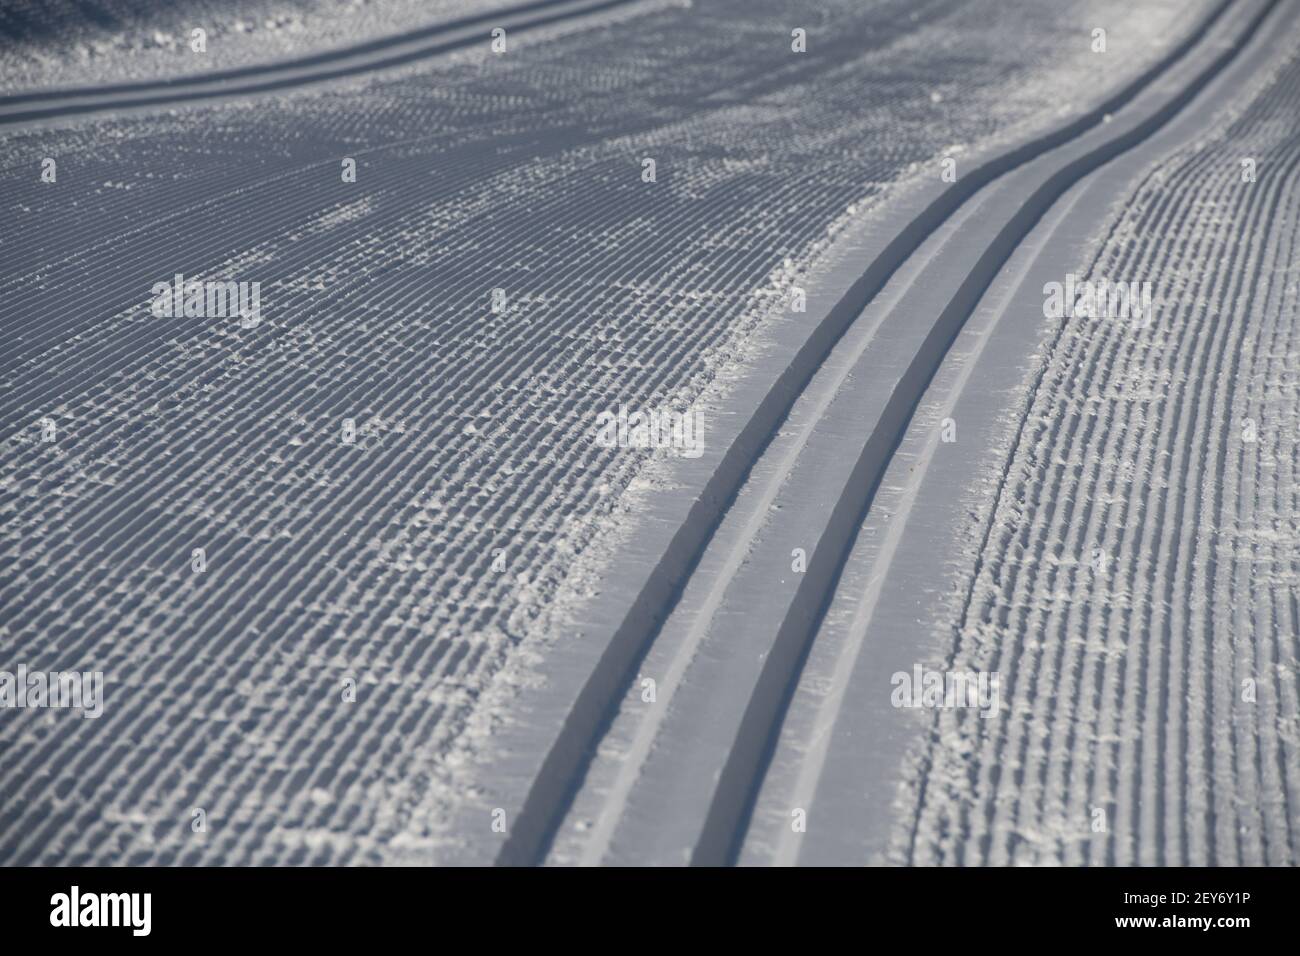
{"points": [[289, 74]]}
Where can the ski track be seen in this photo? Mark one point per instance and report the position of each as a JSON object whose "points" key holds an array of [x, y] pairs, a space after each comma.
{"points": [[663, 828], [1123, 688], [61, 43]]}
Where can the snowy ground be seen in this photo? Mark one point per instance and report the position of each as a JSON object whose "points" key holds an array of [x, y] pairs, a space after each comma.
{"points": [[1138, 589], [62, 43], [394, 479]]}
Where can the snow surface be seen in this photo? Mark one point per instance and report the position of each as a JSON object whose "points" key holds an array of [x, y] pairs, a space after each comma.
{"points": [[374, 560]]}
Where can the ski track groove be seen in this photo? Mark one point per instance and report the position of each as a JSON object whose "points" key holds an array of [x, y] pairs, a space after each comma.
{"points": [[293, 74]]}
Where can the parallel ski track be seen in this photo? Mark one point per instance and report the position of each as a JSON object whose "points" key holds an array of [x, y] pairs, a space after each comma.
{"points": [[724, 825], [1125, 687]]}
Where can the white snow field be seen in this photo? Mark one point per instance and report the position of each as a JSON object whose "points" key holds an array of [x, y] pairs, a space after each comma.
{"points": [[51, 44], [365, 583]]}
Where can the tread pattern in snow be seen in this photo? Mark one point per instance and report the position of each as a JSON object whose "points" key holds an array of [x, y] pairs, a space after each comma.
{"points": [[475, 431], [1140, 565]]}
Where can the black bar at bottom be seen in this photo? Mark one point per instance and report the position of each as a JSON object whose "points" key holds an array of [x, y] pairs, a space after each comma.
{"points": [[551, 907]]}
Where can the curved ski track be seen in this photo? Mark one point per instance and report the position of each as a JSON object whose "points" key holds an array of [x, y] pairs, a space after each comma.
{"points": [[729, 779]]}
